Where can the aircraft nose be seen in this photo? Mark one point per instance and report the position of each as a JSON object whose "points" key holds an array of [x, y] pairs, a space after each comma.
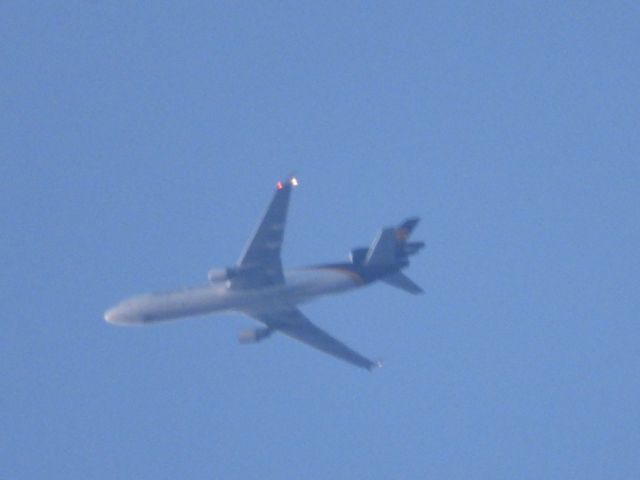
{"points": [[111, 316], [123, 314], [119, 316]]}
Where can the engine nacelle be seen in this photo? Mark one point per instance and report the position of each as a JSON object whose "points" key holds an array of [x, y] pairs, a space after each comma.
{"points": [[357, 255], [233, 272], [254, 336], [216, 275]]}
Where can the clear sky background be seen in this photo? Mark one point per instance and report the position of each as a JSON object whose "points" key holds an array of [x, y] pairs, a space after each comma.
{"points": [[139, 145]]}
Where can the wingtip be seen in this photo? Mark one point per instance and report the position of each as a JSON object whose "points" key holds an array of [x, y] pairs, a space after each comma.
{"points": [[290, 181], [375, 365]]}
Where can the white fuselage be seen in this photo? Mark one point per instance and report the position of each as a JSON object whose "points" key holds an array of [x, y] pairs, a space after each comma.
{"points": [[301, 285]]}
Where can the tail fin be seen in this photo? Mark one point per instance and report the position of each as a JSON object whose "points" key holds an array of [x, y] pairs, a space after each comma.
{"points": [[383, 251], [401, 281], [391, 247]]}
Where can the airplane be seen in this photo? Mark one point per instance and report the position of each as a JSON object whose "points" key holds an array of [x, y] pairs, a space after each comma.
{"points": [[258, 287]]}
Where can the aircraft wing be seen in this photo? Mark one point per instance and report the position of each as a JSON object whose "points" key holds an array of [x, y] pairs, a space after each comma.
{"points": [[293, 323], [260, 260]]}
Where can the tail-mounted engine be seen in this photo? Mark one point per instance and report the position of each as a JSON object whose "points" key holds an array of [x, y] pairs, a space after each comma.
{"points": [[222, 275], [216, 276], [357, 255]]}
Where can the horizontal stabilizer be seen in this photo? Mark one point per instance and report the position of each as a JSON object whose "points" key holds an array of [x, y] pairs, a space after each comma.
{"points": [[401, 281]]}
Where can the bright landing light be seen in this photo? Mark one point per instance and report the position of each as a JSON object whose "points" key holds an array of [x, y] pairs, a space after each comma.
{"points": [[294, 181]]}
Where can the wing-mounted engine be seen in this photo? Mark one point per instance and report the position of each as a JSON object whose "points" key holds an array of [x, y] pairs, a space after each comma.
{"points": [[255, 335]]}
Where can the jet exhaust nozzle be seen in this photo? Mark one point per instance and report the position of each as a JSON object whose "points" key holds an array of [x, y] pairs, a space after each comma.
{"points": [[216, 275], [222, 275]]}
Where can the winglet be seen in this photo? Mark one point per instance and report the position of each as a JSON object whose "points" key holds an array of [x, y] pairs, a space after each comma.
{"points": [[291, 180], [374, 365]]}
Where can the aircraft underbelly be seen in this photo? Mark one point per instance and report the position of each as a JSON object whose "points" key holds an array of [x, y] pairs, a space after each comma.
{"points": [[158, 307], [300, 286], [311, 282]]}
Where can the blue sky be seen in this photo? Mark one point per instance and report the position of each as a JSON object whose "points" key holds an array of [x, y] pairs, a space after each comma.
{"points": [[140, 143]]}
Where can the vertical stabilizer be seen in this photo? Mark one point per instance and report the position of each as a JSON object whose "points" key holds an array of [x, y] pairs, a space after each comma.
{"points": [[392, 248], [383, 250]]}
